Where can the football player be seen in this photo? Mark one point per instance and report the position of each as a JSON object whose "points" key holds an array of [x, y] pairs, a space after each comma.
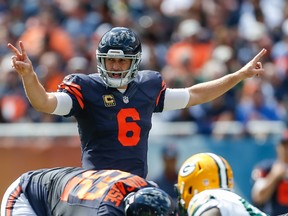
{"points": [[205, 187], [76, 191], [114, 107]]}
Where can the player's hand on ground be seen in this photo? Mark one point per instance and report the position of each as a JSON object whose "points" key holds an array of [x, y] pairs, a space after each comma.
{"points": [[20, 61], [254, 67]]}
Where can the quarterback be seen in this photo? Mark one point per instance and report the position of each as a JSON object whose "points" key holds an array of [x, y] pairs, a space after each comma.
{"points": [[114, 107]]}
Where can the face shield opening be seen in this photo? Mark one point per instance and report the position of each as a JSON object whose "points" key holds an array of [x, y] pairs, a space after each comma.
{"points": [[121, 78]]}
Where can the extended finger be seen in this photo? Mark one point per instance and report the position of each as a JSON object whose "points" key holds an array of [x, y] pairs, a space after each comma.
{"points": [[23, 50], [13, 49], [259, 55]]}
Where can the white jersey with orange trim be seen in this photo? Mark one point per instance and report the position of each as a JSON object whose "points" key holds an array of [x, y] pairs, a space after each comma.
{"points": [[227, 202]]}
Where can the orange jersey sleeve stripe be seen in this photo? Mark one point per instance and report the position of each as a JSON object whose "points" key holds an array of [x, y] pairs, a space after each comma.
{"points": [[11, 200], [73, 89], [71, 84], [77, 94], [163, 89]]}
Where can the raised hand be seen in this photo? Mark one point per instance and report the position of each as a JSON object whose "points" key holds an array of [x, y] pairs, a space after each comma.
{"points": [[254, 67], [20, 61]]}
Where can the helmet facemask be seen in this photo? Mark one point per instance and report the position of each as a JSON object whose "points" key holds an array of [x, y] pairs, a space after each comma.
{"points": [[126, 76]]}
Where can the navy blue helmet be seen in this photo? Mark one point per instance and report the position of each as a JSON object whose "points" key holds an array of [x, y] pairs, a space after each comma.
{"points": [[150, 201], [119, 42]]}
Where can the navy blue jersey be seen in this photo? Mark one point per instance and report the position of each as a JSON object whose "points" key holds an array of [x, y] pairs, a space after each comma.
{"points": [[76, 191], [114, 127], [278, 204]]}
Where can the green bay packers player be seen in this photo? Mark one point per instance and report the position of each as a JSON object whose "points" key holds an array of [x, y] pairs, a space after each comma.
{"points": [[205, 187]]}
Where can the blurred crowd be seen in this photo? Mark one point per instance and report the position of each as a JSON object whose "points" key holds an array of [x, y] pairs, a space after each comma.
{"points": [[188, 41]]}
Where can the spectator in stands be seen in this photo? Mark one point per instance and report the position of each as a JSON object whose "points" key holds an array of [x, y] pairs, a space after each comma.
{"points": [[189, 53], [168, 177], [253, 105], [44, 33], [270, 176], [13, 105], [76, 22]]}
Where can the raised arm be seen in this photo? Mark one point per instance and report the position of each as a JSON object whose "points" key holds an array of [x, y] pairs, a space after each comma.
{"points": [[207, 91], [41, 100]]}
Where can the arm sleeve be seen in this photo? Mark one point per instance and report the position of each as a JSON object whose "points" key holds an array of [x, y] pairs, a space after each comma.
{"points": [[64, 103], [176, 98]]}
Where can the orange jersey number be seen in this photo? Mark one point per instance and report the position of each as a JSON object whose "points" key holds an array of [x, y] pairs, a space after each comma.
{"points": [[87, 189], [129, 132]]}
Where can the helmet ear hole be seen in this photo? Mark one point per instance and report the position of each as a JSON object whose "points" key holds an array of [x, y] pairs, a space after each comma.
{"points": [[190, 190]]}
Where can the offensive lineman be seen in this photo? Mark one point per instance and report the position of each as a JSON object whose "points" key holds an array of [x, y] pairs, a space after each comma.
{"points": [[72, 191]]}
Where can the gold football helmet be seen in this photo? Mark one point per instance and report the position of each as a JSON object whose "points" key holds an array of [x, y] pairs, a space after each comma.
{"points": [[200, 172]]}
